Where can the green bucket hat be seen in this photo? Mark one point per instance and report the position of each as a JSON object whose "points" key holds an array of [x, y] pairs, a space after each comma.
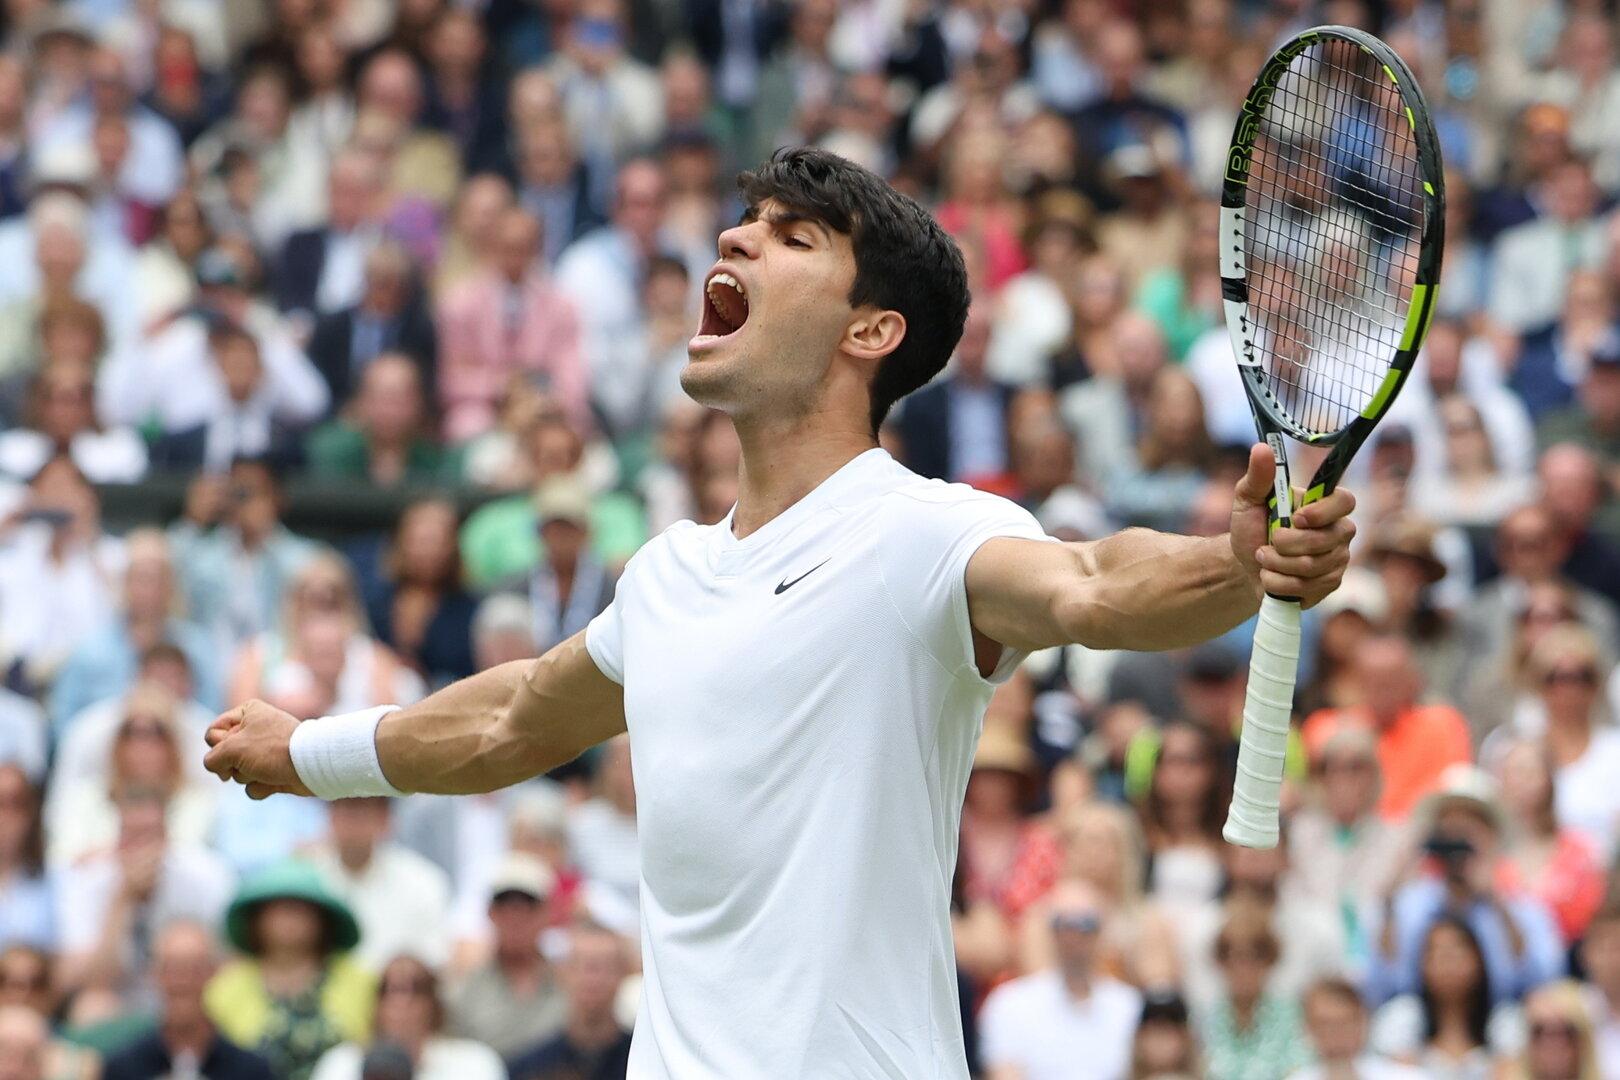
{"points": [[290, 879]]}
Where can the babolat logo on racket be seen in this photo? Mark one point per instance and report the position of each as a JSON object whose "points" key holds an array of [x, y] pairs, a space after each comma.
{"points": [[1255, 106]]}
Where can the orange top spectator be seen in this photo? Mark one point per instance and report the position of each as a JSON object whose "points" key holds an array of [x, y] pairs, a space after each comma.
{"points": [[1416, 741]]}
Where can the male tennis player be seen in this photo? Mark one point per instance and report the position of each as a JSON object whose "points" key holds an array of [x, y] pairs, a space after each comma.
{"points": [[803, 683]]}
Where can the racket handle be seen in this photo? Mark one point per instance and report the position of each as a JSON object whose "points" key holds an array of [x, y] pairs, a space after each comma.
{"points": [[1254, 818]]}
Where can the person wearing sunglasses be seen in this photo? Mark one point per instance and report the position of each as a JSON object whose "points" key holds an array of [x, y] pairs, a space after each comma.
{"points": [[1069, 1021], [411, 1016], [1567, 668], [147, 753], [1559, 1043], [1499, 691], [1250, 1033]]}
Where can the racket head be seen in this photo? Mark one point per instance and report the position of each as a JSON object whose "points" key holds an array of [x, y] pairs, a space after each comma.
{"points": [[1332, 234]]}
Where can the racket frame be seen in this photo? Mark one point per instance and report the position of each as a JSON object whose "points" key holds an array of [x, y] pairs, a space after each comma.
{"points": [[1271, 418], [1254, 818]]}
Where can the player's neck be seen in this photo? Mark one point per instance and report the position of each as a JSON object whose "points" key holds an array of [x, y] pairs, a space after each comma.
{"points": [[784, 462]]}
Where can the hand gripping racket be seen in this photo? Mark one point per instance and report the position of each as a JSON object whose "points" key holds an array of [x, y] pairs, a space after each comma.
{"points": [[1332, 214]]}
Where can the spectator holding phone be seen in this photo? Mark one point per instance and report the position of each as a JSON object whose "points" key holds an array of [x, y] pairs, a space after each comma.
{"points": [[1517, 935]]}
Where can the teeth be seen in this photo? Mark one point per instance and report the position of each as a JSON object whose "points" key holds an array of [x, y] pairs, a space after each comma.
{"points": [[724, 278]]}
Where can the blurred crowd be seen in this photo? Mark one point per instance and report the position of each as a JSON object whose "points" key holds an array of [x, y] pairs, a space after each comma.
{"points": [[451, 251]]}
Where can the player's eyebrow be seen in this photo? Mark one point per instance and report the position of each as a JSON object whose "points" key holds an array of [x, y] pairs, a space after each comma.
{"points": [[782, 218]]}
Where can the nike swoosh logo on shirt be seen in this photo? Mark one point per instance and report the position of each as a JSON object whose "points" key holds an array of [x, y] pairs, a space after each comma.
{"points": [[786, 585]]}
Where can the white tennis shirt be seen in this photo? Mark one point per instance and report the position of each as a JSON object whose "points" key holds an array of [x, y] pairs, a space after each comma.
{"points": [[803, 707]]}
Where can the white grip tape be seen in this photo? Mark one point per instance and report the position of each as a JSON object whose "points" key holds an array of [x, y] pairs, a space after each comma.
{"points": [[336, 756], [1263, 747]]}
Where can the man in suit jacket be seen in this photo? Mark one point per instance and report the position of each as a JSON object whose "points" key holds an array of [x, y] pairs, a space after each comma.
{"points": [[508, 319], [322, 270], [745, 34], [391, 317], [249, 420], [554, 185], [956, 429]]}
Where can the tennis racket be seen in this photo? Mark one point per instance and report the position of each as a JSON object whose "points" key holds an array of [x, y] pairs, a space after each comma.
{"points": [[1332, 213]]}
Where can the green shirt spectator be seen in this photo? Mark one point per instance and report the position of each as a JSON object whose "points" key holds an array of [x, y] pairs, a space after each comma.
{"points": [[382, 440], [502, 539], [1163, 297], [338, 451]]}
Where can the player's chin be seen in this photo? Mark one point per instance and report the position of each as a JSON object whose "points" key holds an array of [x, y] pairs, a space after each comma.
{"points": [[706, 378]]}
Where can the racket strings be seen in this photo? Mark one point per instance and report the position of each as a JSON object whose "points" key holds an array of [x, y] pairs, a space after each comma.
{"points": [[1332, 219]]}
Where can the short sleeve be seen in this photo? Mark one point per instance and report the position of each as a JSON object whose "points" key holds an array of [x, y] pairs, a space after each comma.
{"points": [[935, 530], [604, 639]]}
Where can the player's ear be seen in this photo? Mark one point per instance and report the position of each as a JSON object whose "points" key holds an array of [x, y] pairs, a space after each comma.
{"points": [[874, 333]]}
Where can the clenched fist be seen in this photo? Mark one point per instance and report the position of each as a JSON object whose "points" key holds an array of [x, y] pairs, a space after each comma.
{"points": [[251, 746], [1306, 560]]}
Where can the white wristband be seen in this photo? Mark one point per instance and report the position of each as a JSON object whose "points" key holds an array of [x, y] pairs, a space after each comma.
{"points": [[336, 756]]}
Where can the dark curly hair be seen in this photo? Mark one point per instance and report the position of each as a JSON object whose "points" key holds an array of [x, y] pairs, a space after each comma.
{"points": [[904, 260]]}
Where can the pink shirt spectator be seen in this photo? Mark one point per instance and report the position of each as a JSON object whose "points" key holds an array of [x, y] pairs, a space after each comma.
{"points": [[489, 330]]}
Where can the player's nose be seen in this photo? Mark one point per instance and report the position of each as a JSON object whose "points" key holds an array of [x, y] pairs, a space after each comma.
{"points": [[742, 241]]}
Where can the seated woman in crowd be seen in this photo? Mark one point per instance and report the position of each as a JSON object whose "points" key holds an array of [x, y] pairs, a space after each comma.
{"points": [[1448, 1028], [1164, 1046], [1498, 691], [1556, 865], [417, 603], [1250, 1034], [1172, 457], [321, 661], [1470, 488], [411, 1022], [1182, 816], [1560, 1043], [147, 756], [61, 419], [1569, 673], [1103, 847], [294, 993]]}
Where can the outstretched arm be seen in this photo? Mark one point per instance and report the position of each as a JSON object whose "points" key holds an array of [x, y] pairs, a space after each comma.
{"points": [[494, 729], [1145, 590]]}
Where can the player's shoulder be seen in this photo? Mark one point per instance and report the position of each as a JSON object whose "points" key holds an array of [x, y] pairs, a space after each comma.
{"points": [[684, 535], [921, 503]]}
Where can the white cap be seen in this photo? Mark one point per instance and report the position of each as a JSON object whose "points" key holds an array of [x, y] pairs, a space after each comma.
{"points": [[522, 873]]}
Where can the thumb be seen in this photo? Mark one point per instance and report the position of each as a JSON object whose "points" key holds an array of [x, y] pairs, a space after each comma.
{"points": [[1255, 487]]}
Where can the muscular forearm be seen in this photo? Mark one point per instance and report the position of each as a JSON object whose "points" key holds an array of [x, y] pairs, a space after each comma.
{"points": [[503, 725], [1145, 590]]}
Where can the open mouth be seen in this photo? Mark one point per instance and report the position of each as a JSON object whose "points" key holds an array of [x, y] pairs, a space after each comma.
{"points": [[727, 307]]}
